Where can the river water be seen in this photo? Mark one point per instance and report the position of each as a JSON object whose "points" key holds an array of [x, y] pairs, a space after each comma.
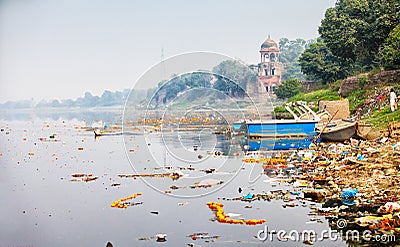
{"points": [[43, 206]]}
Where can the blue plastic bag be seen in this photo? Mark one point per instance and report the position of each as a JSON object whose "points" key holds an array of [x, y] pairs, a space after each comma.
{"points": [[348, 196], [349, 193], [248, 196]]}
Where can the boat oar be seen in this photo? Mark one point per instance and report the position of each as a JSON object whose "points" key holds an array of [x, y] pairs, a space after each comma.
{"points": [[316, 138]]}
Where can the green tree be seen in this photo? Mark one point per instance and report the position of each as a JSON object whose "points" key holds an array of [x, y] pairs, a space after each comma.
{"points": [[319, 64], [290, 51], [168, 90], [238, 75], [229, 87], [354, 30], [55, 103], [390, 53], [198, 80], [288, 89]]}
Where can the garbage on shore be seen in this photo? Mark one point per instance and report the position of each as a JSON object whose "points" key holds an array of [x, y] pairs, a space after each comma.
{"points": [[358, 181]]}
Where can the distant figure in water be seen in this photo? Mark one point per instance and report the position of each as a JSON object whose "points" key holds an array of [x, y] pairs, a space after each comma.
{"points": [[393, 100], [109, 244], [240, 190]]}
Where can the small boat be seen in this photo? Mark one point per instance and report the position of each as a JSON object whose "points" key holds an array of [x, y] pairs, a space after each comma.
{"points": [[337, 131], [98, 133], [283, 134], [279, 134], [367, 131]]}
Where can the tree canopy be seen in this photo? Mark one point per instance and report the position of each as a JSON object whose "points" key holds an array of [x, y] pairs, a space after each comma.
{"points": [[390, 53], [237, 73], [168, 90], [230, 77], [355, 30], [357, 36], [288, 89], [290, 51], [319, 64]]}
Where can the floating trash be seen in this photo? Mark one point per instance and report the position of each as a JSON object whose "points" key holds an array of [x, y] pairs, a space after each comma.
{"points": [[82, 177], [173, 175], [201, 235], [121, 203], [206, 183], [222, 218], [161, 237]]}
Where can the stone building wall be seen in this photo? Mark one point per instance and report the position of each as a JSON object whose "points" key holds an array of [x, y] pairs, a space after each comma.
{"points": [[366, 80], [342, 106]]}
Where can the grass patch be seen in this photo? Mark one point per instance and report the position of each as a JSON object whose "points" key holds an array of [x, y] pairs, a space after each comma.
{"points": [[335, 86], [280, 108], [324, 94], [383, 117]]}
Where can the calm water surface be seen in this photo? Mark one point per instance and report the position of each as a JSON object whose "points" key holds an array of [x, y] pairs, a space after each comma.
{"points": [[41, 206]]}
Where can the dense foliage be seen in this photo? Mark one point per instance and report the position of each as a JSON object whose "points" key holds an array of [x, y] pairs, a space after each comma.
{"points": [[230, 77], [319, 64], [290, 51], [288, 89], [355, 30], [390, 53], [238, 76], [357, 36], [169, 90]]}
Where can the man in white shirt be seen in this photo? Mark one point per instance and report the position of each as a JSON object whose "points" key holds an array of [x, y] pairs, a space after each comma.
{"points": [[393, 100]]}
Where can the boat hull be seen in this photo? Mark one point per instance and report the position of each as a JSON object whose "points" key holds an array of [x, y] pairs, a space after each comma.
{"points": [[280, 134], [339, 134], [279, 144]]}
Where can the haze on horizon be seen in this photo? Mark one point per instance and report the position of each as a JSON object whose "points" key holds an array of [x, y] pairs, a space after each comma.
{"points": [[61, 49]]}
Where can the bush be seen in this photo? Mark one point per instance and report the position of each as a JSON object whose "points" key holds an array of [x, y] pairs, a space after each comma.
{"points": [[279, 109], [363, 80], [288, 89], [335, 86]]}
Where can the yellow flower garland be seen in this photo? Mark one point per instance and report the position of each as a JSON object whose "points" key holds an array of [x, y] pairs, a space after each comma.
{"points": [[118, 203], [221, 217]]}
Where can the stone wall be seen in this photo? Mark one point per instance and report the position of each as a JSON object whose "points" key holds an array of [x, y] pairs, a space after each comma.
{"points": [[365, 81], [341, 106]]}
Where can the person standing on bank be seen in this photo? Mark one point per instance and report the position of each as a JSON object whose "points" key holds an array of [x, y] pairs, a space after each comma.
{"points": [[393, 100]]}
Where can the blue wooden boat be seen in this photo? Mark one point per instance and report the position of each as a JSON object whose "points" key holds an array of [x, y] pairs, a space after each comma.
{"points": [[279, 134]]}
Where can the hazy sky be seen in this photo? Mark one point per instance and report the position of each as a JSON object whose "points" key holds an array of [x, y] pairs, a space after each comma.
{"points": [[62, 48]]}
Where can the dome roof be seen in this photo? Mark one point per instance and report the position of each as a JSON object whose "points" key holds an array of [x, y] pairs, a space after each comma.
{"points": [[269, 43]]}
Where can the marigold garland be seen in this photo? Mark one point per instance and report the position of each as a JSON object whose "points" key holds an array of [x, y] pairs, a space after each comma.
{"points": [[120, 203], [221, 217]]}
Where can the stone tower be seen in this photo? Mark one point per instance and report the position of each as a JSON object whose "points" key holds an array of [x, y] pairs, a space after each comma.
{"points": [[269, 69]]}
